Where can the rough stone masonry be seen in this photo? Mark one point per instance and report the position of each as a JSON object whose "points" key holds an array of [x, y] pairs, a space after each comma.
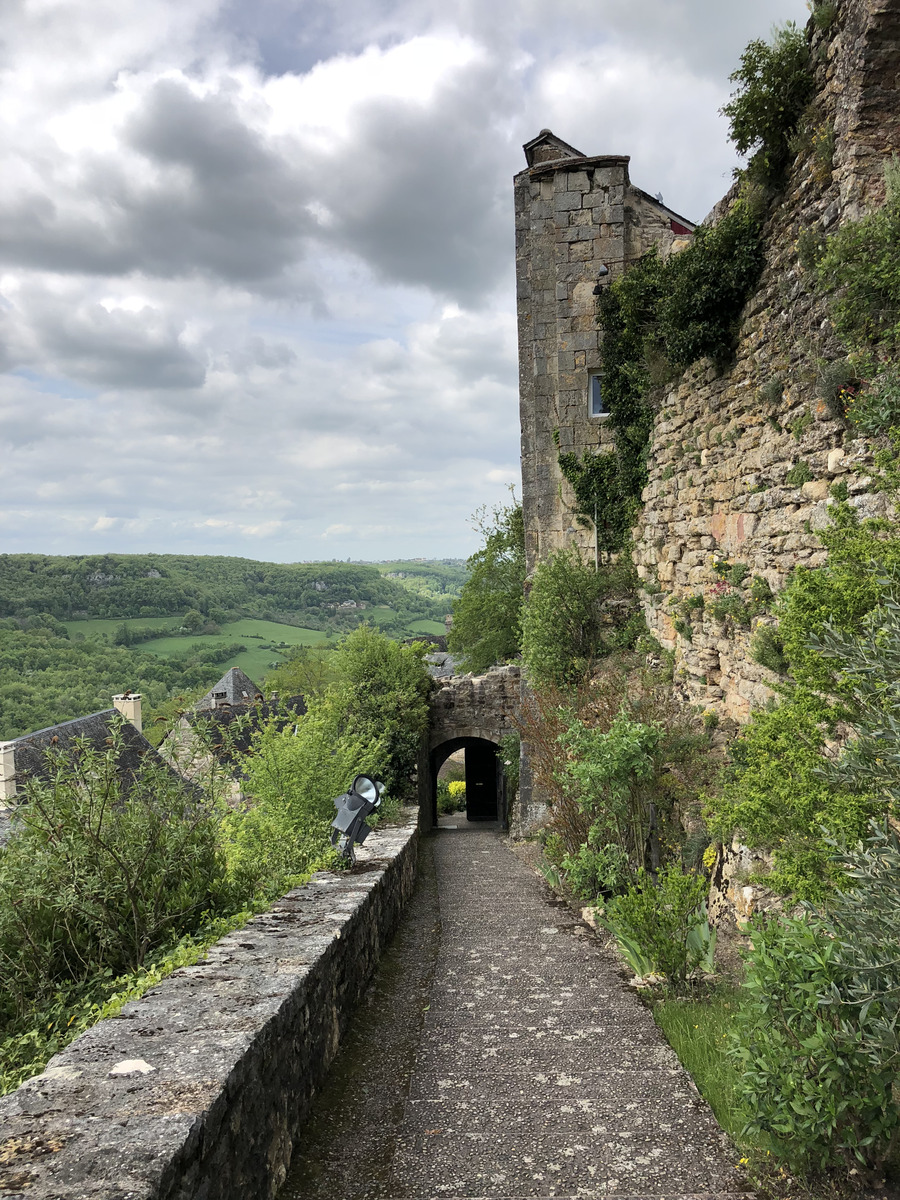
{"points": [[724, 449]]}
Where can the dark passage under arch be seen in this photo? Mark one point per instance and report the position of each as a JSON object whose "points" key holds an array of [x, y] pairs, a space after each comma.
{"points": [[485, 778]]}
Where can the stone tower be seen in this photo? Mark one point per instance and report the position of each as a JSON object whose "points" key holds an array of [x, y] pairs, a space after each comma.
{"points": [[579, 223]]}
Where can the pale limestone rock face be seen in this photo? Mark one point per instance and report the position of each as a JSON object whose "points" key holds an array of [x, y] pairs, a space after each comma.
{"points": [[733, 899]]}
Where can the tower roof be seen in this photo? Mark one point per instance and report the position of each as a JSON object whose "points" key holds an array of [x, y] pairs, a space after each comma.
{"points": [[547, 147], [233, 688]]}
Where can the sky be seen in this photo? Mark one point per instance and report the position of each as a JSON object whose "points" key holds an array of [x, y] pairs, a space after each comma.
{"points": [[256, 256]]}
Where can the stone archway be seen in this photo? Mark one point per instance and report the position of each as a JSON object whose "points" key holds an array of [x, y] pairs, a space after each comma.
{"points": [[470, 713]]}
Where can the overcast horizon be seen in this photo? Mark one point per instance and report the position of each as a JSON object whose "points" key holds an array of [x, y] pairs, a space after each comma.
{"points": [[256, 260]]}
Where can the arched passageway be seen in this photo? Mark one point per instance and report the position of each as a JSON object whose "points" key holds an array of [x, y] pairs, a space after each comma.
{"points": [[485, 778], [473, 714]]}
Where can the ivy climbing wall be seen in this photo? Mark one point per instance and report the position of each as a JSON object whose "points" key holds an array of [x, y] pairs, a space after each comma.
{"points": [[574, 215]]}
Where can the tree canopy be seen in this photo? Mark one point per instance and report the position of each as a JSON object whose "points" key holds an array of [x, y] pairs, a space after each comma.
{"points": [[487, 619]]}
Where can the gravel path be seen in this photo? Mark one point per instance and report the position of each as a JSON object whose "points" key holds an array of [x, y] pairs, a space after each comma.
{"points": [[499, 1055]]}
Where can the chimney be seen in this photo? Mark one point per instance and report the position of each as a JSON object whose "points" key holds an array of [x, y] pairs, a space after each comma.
{"points": [[129, 705], [7, 774]]}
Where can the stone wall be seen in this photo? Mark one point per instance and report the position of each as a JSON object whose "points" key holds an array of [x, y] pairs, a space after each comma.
{"points": [[725, 445], [198, 1090], [481, 706]]}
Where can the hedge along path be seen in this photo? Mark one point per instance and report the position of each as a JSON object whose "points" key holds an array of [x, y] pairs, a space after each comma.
{"points": [[533, 1072]]}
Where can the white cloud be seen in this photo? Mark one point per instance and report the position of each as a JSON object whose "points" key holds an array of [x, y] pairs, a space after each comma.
{"points": [[256, 261]]}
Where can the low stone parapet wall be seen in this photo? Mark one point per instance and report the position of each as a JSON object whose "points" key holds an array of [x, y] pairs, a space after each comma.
{"points": [[198, 1090]]}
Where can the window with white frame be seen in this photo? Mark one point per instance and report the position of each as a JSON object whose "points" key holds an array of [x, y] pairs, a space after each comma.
{"points": [[597, 402]]}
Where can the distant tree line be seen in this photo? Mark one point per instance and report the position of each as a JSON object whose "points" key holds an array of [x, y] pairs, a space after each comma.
{"points": [[219, 588]]}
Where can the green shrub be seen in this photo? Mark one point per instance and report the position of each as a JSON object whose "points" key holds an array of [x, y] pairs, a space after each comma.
{"points": [[799, 474], [837, 387], [805, 1075], [760, 593], [103, 872], [767, 648], [774, 83], [869, 666], [776, 797], [860, 269], [839, 594], [864, 921], [737, 574], [727, 605], [824, 13], [293, 778], [598, 868], [603, 775], [381, 693], [565, 627], [451, 796], [660, 916], [874, 409], [705, 287]]}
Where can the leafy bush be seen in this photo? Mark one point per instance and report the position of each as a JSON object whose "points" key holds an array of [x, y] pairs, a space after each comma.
{"points": [[451, 796], [659, 916], [806, 1077], [869, 665], [799, 474], [598, 868], [618, 754], [874, 409], [840, 594], [767, 648], [774, 83], [565, 624], [860, 268], [487, 616], [705, 287], [381, 695], [837, 387], [293, 778], [603, 774], [777, 798], [103, 871]]}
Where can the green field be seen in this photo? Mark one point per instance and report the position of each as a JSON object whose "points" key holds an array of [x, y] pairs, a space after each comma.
{"points": [[438, 628], [106, 627], [264, 640]]}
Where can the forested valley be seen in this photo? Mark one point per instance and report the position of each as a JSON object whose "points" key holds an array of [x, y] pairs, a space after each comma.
{"points": [[74, 630]]}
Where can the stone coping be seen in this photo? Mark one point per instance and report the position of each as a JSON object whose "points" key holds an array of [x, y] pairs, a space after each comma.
{"points": [[197, 1091]]}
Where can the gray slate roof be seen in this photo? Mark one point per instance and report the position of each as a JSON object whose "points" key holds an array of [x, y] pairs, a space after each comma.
{"points": [[36, 753], [34, 762], [233, 688], [228, 748]]}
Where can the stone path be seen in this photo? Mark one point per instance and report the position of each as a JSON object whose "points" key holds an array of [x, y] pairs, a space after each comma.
{"points": [[499, 1055]]}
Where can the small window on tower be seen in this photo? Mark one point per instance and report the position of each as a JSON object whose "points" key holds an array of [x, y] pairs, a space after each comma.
{"points": [[597, 404]]}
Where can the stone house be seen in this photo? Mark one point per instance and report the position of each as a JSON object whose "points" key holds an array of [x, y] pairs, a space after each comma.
{"points": [[220, 727], [33, 755]]}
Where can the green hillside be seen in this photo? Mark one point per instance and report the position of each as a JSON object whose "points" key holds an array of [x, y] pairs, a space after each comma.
{"points": [[224, 589], [74, 630]]}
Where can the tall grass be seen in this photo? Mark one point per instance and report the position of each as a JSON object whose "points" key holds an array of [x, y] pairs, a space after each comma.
{"points": [[698, 1031]]}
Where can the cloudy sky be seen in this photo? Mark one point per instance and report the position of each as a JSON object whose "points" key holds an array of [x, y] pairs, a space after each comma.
{"points": [[256, 256]]}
